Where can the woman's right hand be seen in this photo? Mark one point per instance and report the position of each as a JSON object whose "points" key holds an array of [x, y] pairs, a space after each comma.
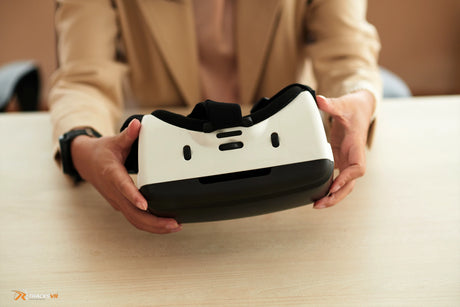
{"points": [[100, 161]]}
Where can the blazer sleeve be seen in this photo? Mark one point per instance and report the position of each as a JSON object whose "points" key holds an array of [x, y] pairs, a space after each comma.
{"points": [[86, 89], [343, 48]]}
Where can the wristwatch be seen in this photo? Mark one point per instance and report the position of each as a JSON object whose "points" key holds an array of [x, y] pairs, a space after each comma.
{"points": [[66, 157]]}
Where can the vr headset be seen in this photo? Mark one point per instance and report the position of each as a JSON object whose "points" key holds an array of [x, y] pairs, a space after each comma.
{"points": [[216, 164]]}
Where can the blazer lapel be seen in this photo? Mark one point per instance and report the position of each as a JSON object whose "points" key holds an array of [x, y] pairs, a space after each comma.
{"points": [[172, 26], [256, 22]]}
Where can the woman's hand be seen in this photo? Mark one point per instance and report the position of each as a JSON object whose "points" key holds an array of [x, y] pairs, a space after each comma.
{"points": [[351, 116], [100, 161]]}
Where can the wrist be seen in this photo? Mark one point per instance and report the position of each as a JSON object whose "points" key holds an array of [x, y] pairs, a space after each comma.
{"points": [[78, 143], [70, 148], [80, 151]]}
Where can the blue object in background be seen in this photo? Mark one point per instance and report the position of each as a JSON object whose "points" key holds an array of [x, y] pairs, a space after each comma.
{"points": [[22, 79], [393, 86]]}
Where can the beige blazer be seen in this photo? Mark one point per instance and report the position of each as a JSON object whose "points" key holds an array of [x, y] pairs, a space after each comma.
{"points": [[147, 49]]}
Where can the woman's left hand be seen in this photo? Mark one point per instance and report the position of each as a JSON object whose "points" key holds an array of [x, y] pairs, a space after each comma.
{"points": [[351, 116]]}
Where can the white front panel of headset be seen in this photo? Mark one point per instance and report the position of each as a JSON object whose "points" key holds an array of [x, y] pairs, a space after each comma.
{"points": [[298, 125]]}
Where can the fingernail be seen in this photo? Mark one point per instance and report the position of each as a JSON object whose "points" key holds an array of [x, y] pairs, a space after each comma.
{"points": [[129, 125], [172, 226], [177, 229], [334, 189], [321, 96], [141, 205]]}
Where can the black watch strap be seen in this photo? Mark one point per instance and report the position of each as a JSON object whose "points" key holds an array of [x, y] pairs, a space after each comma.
{"points": [[66, 157]]}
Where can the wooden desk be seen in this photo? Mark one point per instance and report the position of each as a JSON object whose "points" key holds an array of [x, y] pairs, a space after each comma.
{"points": [[394, 241]]}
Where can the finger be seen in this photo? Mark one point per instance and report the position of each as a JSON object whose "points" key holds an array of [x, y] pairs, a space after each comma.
{"points": [[127, 137], [349, 174], [333, 198], [110, 194], [149, 222], [115, 206], [140, 219], [150, 228], [117, 181], [328, 105], [123, 182]]}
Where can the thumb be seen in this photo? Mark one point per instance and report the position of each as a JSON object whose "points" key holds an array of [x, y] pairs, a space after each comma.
{"points": [[127, 137], [327, 105]]}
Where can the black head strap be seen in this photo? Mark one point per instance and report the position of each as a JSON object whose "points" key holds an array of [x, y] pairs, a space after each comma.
{"points": [[217, 115]]}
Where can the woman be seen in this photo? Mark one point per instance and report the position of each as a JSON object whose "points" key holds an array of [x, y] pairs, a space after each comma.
{"points": [[178, 52]]}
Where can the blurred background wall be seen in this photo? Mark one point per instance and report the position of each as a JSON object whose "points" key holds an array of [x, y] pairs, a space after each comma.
{"points": [[27, 33], [420, 40]]}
